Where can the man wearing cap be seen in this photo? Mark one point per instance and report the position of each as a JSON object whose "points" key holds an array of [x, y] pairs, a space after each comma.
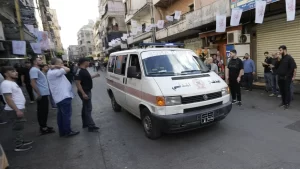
{"points": [[84, 85]]}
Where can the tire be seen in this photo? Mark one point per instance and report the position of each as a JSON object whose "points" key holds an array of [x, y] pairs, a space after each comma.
{"points": [[116, 107], [151, 128]]}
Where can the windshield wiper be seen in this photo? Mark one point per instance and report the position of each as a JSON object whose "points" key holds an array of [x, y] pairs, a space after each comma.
{"points": [[161, 73], [190, 71]]}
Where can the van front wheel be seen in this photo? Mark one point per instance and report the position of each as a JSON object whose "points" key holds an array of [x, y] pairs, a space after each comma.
{"points": [[116, 107], [151, 128]]}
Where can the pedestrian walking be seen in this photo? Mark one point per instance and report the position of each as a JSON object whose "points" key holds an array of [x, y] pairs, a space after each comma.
{"points": [[61, 90], [25, 77], [249, 71], [285, 71], [274, 80], [234, 72], [40, 85], [44, 69], [267, 71], [84, 85], [15, 107]]}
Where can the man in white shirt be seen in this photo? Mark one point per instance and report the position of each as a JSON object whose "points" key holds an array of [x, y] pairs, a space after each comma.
{"points": [[2, 121], [62, 94], [15, 106]]}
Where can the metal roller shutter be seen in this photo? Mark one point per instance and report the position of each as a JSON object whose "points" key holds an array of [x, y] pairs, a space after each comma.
{"points": [[272, 34]]}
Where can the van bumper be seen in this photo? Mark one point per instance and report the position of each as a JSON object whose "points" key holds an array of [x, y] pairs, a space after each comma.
{"points": [[192, 120]]}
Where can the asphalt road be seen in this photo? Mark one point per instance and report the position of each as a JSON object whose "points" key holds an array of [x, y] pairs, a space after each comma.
{"points": [[258, 135]]}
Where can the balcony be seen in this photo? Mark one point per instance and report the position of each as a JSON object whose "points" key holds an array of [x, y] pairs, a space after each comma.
{"points": [[46, 3], [139, 37], [112, 28], [141, 12], [163, 3], [7, 15], [49, 16]]}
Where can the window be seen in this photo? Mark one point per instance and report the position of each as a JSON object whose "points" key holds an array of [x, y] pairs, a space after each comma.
{"points": [[143, 27], [191, 7], [90, 49], [120, 64], [134, 61], [88, 42]]}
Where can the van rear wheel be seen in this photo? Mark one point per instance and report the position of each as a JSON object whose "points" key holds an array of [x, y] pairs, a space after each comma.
{"points": [[151, 128], [116, 107]]}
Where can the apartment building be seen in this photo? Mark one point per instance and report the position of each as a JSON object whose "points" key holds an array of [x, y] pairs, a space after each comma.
{"points": [[97, 40], [137, 18], [112, 25], [73, 52], [55, 31], [85, 40]]}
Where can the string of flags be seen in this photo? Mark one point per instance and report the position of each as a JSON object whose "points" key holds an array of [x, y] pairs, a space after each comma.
{"points": [[260, 7]]}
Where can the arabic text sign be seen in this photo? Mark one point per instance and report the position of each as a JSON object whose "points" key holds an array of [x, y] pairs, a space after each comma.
{"points": [[246, 4]]}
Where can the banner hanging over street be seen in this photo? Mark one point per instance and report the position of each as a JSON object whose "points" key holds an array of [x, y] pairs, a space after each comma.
{"points": [[246, 4]]}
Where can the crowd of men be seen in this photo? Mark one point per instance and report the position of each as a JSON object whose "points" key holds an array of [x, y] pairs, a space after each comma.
{"points": [[43, 83], [279, 74]]}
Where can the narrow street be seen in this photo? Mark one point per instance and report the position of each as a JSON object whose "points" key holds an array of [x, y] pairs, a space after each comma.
{"points": [[258, 135]]}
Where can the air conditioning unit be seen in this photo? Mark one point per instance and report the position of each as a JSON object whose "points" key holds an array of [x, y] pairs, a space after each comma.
{"points": [[245, 38], [233, 37]]}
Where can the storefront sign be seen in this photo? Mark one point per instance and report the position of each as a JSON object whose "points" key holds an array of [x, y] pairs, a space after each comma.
{"points": [[246, 4], [207, 14]]}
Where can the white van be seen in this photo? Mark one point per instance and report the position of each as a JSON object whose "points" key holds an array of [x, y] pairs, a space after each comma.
{"points": [[169, 89]]}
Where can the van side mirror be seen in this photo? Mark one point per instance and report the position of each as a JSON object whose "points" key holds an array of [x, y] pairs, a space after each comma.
{"points": [[131, 73]]}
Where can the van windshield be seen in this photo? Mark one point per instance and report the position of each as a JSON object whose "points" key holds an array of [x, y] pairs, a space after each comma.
{"points": [[172, 63]]}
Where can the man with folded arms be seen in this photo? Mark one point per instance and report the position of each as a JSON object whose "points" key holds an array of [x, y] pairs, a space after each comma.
{"points": [[62, 94]]}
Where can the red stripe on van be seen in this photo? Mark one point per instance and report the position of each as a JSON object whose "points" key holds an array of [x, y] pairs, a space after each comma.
{"points": [[142, 95]]}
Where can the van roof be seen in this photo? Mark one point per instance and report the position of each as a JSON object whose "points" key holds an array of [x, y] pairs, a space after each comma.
{"points": [[146, 49]]}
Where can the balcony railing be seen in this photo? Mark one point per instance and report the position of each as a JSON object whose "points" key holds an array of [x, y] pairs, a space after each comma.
{"points": [[169, 23]]}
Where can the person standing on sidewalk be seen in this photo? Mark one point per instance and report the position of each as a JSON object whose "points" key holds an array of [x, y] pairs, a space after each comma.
{"points": [[234, 72], [84, 85], [249, 71], [61, 90], [40, 85], [15, 107], [2, 102], [285, 70], [274, 80], [267, 71], [44, 69], [25, 77]]}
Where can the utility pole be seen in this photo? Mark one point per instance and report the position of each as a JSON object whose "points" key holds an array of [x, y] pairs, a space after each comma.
{"points": [[17, 6], [152, 22]]}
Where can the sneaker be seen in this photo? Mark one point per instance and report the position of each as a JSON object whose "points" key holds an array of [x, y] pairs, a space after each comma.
{"points": [[3, 122], [48, 130], [272, 95], [72, 133], [234, 101], [279, 96], [22, 148], [28, 142], [93, 129], [239, 103], [286, 107], [31, 102], [281, 105]]}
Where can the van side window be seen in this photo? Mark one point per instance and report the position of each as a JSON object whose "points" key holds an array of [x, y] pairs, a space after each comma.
{"points": [[121, 64], [134, 61], [111, 64]]}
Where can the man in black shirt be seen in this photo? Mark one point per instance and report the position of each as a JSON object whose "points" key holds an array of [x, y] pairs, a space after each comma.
{"points": [[267, 71], [26, 80], [234, 72], [275, 61], [84, 85], [285, 71]]}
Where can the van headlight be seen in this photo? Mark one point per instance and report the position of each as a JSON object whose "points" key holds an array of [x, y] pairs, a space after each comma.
{"points": [[168, 101], [225, 91]]}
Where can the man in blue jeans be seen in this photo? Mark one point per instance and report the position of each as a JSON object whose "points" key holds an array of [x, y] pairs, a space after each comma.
{"points": [[62, 94], [267, 72], [249, 71]]}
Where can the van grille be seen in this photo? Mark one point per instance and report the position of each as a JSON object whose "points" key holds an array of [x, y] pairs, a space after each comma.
{"points": [[200, 98]]}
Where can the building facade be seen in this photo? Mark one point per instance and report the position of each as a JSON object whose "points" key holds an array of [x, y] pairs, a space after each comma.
{"points": [[98, 49], [85, 40], [73, 52], [55, 31]]}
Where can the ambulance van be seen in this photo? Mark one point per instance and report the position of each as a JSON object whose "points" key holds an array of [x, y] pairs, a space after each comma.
{"points": [[169, 89]]}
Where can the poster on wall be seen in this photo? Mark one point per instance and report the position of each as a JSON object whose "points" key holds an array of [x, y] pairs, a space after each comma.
{"points": [[260, 7], [36, 47], [246, 4], [19, 47], [43, 40], [290, 6]]}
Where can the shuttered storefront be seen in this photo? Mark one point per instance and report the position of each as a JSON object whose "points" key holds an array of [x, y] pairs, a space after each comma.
{"points": [[271, 34]]}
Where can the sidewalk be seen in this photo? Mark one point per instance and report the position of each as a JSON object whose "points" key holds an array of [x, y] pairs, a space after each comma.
{"points": [[261, 85], [51, 151]]}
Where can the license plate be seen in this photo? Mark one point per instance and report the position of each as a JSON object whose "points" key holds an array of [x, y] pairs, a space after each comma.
{"points": [[206, 117]]}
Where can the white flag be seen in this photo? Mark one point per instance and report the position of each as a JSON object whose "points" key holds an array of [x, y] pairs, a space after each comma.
{"points": [[19, 47], [220, 23], [148, 29], [139, 29], [133, 23], [160, 24], [125, 35], [153, 25], [177, 15], [30, 28], [36, 47], [290, 6], [236, 16], [260, 7], [170, 18]]}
